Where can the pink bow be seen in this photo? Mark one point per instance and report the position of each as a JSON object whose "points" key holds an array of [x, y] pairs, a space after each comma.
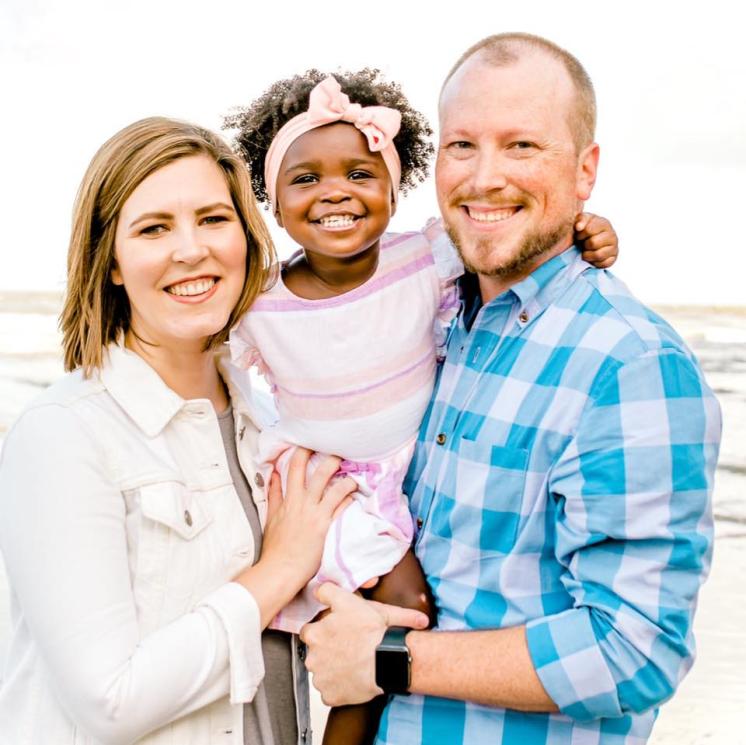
{"points": [[328, 104]]}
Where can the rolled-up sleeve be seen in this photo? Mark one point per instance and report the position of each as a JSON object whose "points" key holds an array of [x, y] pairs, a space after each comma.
{"points": [[64, 542], [634, 537]]}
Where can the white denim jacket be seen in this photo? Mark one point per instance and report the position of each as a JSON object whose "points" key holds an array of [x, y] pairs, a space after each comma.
{"points": [[120, 530]]}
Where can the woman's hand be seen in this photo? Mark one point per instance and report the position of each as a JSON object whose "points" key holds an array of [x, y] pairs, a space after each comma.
{"points": [[598, 240], [296, 528]]}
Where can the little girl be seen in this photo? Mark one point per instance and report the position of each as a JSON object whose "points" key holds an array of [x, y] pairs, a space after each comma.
{"points": [[350, 334]]}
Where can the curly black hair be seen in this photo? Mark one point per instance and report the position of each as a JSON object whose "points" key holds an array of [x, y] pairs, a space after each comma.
{"points": [[258, 123]]}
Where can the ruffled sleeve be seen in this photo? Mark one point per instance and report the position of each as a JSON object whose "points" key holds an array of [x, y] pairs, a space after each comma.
{"points": [[449, 268], [245, 354]]}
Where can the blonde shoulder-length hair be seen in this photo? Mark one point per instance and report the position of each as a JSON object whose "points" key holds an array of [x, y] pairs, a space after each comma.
{"points": [[96, 311]]}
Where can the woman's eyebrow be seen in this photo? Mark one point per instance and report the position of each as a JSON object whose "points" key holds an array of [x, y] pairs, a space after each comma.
{"points": [[214, 206], [151, 216]]}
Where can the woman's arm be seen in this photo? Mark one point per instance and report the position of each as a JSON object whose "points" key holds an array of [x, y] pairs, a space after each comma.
{"points": [[63, 537]]}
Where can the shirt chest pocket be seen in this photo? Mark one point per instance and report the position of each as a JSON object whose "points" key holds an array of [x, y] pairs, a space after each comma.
{"points": [[489, 489], [180, 556]]}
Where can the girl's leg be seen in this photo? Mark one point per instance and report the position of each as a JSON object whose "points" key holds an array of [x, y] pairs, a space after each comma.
{"points": [[405, 586]]}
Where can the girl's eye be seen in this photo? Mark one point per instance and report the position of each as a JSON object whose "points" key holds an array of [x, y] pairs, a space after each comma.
{"points": [[305, 178], [357, 175]]}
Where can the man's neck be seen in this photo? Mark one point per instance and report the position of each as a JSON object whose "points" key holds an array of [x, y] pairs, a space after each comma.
{"points": [[491, 286]]}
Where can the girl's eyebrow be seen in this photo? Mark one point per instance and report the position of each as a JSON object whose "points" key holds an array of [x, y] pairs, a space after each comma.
{"points": [[309, 165]]}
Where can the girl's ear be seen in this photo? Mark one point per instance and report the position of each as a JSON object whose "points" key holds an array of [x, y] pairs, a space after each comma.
{"points": [[393, 204]]}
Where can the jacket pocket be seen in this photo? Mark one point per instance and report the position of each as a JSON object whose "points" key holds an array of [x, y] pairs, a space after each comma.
{"points": [[172, 505]]}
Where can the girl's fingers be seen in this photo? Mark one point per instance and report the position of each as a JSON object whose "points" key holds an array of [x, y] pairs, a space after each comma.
{"points": [[326, 468], [296, 478]]}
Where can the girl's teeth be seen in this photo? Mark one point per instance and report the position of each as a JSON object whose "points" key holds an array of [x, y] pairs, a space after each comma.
{"points": [[337, 221], [191, 288], [495, 216]]}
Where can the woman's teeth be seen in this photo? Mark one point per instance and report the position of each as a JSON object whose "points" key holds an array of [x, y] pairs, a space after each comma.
{"points": [[337, 221], [186, 289]]}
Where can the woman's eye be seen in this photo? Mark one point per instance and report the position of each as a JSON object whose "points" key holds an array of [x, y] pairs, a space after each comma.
{"points": [[214, 219], [153, 230]]}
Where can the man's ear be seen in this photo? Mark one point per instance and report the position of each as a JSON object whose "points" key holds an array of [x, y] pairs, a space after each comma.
{"points": [[587, 169]]}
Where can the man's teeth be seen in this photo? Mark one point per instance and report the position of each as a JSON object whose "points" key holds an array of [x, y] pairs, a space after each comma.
{"points": [[191, 288], [337, 221], [493, 215]]}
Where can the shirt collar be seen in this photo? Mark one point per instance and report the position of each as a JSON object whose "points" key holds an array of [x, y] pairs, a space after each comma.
{"points": [[534, 293]]}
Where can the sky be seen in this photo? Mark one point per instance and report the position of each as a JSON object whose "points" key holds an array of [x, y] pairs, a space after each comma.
{"points": [[669, 78]]}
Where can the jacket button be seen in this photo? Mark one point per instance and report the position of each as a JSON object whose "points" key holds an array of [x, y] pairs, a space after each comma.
{"points": [[523, 317], [188, 518], [419, 523], [441, 438], [259, 479], [304, 734], [241, 433]]}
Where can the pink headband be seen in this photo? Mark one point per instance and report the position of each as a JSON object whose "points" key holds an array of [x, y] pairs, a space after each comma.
{"points": [[328, 104]]}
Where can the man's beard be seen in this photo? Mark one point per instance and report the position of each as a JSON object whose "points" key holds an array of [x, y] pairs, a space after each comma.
{"points": [[533, 246]]}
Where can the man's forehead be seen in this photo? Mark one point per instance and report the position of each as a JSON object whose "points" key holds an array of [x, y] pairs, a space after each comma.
{"points": [[534, 79]]}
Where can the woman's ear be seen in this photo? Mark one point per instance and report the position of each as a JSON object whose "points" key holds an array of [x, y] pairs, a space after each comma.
{"points": [[116, 275], [278, 217]]}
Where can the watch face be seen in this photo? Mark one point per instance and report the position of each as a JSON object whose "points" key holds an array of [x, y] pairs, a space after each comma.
{"points": [[392, 669]]}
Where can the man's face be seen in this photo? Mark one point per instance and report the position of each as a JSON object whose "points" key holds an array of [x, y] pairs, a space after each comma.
{"points": [[509, 179]]}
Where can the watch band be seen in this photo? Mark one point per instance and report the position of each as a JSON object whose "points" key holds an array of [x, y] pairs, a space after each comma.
{"points": [[393, 661]]}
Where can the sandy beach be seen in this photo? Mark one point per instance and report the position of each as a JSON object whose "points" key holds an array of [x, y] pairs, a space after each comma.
{"points": [[710, 706]]}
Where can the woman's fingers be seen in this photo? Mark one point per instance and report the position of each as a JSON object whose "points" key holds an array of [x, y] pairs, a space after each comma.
{"points": [[296, 478], [319, 480], [274, 495]]}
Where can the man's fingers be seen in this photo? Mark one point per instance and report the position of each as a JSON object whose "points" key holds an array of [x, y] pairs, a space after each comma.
{"points": [[396, 616], [334, 596]]}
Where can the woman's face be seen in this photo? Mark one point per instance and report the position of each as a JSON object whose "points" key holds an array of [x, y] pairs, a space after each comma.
{"points": [[180, 254]]}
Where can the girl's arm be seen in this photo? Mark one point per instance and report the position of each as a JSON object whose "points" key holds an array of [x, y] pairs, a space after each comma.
{"points": [[597, 239]]}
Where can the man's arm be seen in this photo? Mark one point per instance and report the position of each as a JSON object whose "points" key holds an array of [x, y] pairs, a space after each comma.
{"points": [[489, 667]]}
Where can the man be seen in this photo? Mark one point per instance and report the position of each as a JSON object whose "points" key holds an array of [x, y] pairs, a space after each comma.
{"points": [[561, 483]]}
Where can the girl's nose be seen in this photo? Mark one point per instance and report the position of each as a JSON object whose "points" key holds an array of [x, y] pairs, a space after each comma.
{"points": [[336, 191]]}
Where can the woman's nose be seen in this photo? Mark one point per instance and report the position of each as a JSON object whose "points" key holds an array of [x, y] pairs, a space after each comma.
{"points": [[190, 247]]}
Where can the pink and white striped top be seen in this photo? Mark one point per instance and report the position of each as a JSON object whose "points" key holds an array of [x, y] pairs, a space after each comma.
{"points": [[352, 375]]}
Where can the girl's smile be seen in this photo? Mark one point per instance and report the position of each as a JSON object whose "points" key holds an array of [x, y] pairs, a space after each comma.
{"points": [[334, 196]]}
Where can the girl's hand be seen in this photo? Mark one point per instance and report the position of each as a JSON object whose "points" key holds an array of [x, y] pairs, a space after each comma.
{"points": [[295, 531], [598, 238]]}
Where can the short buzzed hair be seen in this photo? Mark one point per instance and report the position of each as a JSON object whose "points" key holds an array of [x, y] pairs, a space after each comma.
{"points": [[502, 50]]}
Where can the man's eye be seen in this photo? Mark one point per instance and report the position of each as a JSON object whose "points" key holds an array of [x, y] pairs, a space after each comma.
{"points": [[461, 145], [522, 145]]}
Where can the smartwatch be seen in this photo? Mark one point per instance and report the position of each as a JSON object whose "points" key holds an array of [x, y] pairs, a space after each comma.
{"points": [[393, 662]]}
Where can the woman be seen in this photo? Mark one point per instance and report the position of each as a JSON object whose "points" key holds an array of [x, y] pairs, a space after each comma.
{"points": [[138, 594]]}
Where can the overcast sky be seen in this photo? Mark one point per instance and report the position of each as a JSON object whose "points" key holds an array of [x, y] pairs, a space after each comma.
{"points": [[669, 79]]}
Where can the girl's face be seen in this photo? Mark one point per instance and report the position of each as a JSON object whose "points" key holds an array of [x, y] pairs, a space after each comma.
{"points": [[334, 196], [180, 254]]}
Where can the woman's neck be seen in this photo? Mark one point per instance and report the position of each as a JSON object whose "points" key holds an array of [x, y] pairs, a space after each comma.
{"points": [[191, 373], [315, 276]]}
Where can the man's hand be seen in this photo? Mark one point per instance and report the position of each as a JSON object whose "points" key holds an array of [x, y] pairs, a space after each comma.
{"points": [[342, 645]]}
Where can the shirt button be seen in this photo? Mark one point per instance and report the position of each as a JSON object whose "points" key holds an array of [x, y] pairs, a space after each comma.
{"points": [[304, 734], [523, 317], [301, 651], [188, 518], [441, 438], [419, 523], [259, 479]]}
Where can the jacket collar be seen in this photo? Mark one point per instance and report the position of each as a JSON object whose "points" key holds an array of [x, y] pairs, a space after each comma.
{"points": [[151, 404]]}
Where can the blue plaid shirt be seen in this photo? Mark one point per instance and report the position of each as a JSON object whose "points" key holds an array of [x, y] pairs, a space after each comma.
{"points": [[562, 480]]}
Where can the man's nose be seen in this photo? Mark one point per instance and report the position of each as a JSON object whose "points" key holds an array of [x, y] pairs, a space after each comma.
{"points": [[190, 248], [490, 172]]}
